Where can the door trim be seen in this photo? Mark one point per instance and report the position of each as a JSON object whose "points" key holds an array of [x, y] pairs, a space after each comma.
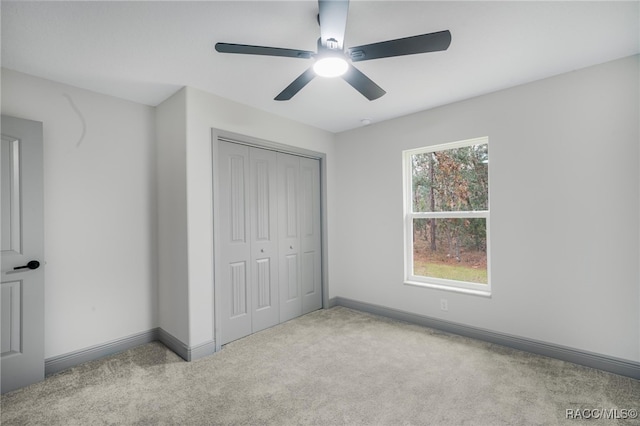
{"points": [[218, 135]]}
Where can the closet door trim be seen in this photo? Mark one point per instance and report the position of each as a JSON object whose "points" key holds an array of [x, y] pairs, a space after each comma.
{"points": [[272, 146]]}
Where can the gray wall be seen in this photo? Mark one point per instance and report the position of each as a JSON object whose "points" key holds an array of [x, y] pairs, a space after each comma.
{"points": [[564, 199], [564, 159], [185, 205], [173, 302], [99, 211]]}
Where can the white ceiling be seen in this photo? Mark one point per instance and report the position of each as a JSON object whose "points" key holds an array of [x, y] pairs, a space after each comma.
{"points": [[145, 51]]}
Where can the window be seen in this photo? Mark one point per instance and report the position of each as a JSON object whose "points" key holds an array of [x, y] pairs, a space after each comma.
{"points": [[446, 192]]}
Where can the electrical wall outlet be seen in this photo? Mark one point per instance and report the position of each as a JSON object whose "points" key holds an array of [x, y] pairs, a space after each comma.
{"points": [[444, 305]]}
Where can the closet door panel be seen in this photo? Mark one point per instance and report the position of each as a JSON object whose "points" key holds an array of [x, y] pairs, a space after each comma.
{"points": [[264, 238], [289, 236], [310, 238], [235, 273]]}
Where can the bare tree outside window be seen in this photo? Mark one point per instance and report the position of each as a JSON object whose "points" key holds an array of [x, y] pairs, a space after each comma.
{"points": [[449, 213]]}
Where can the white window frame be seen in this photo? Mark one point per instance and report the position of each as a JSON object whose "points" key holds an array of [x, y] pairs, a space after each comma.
{"points": [[410, 215]]}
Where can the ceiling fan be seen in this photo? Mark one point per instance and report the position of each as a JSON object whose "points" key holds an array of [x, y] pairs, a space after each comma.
{"points": [[333, 60]]}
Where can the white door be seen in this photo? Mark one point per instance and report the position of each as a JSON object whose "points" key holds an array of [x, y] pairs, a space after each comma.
{"points": [[249, 250], [269, 265], [235, 253], [22, 288], [310, 239], [289, 235], [263, 210], [299, 235]]}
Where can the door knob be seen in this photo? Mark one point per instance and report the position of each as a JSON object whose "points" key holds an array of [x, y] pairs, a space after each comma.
{"points": [[34, 264]]}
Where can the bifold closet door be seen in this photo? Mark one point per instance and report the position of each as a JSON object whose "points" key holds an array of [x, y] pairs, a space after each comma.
{"points": [[310, 239], [264, 238], [269, 238], [248, 235], [299, 235]]}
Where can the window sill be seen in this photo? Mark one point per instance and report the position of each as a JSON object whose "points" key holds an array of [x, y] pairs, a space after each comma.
{"points": [[481, 293]]}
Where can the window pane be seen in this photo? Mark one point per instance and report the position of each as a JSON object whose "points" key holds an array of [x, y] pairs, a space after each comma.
{"points": [[454, 249], [451, 180]]}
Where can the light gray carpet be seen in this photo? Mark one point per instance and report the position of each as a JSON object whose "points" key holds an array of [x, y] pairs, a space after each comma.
{"points": [[330, 367]]}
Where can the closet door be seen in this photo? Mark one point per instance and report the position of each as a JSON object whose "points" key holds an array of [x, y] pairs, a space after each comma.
{"points": [[235, 245], [249, 249], [310, 241], [289, 236], [269, 239], [263, 208]]}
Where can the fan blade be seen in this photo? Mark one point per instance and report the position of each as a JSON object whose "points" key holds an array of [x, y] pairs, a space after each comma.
{"points": [[262, 50], [362, 83], [424, 43], [333, 21], [296, 85]]}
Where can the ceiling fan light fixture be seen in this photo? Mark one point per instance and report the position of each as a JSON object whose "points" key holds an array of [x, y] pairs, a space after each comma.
{"points": [[330, 66], [331, 57]]}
